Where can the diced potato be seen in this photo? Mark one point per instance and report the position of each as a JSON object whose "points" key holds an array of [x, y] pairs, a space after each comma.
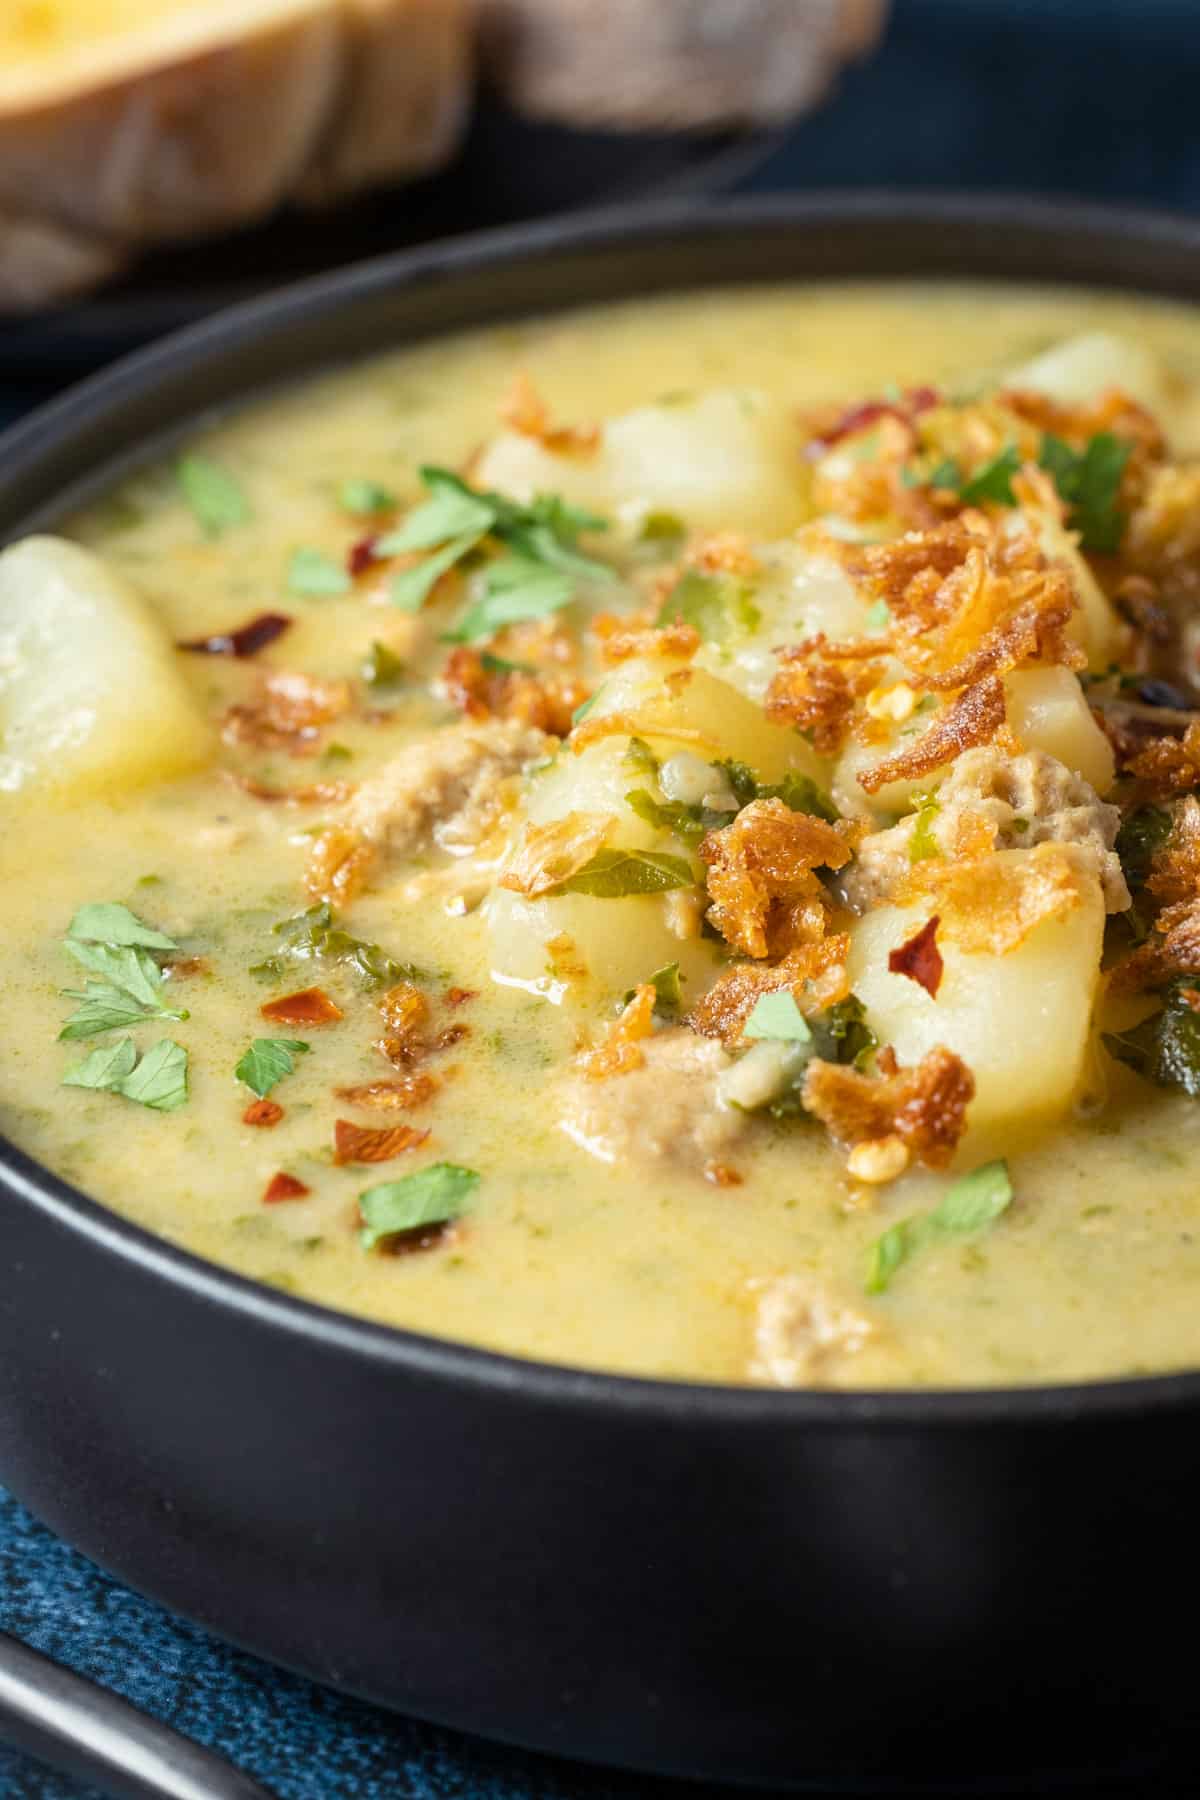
{"points": [[721, 461], [523, 468], [615, 943], [800, 592], [91, 701], [1020, 1022], [896, 797], [690, 707], [1047, 710], [725, 460], [1095, 627], [1082, 368]]}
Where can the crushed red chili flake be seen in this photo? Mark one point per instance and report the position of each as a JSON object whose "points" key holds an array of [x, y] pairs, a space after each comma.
{"points": [[283, 1187], [373, 1144], [246, 640], [311, 1006], [457, 996], [361, 556], [262, 1112], [920, 959]]}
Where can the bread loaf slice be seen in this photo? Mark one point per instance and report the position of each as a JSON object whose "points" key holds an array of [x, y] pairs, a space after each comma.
{"points": [[125, 123], [672, 64]]}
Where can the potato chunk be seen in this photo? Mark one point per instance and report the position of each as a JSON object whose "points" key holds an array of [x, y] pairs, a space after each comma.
{"points": [[1048, 710], [1019, 1021], [1083, 368], [91, 701], [721, 460]]}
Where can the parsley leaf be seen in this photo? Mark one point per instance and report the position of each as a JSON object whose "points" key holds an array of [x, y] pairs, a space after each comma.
{"points": [[313, 934], [267, 1061], [993, 481], [313, 573], [1090, 481], [1165, 1048], [159, 1080], [1142, 833], [970, 1204], [616, 874], [108, 923], [364, 497], [216, 499], [716, 606], [798, 792], [667, 983], [411, 587], [921, 843], [514, 588], [381, 667], [453, 510], [690, 823], [430, 1196], [777, 1016], [105, 1008]]}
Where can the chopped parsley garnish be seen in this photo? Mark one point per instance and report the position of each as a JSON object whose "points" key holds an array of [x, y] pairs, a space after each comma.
{"points": [[690, 823], [313, 934], [993, 481], [158, 1081], [431, 1196], [716, 606], [617, 874], [969, 1205], [921, 843], [115, 946], [1142, 833], [536, 577], [640, 758], [267, 1061], [798, 792], [777, 1016], [1165, 1048], [381, 666], [313, 573], [216, 499], [1090, 481], [364, 498], [667, 983]]}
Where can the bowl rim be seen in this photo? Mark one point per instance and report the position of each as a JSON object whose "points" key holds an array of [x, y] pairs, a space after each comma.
{"points": [[394, 1348]]}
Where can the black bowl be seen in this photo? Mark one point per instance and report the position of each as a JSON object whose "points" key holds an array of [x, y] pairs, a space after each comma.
{"points": [[787, 1587]]}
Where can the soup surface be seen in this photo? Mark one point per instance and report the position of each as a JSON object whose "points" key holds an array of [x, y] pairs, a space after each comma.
{"points": [[660, 839]]}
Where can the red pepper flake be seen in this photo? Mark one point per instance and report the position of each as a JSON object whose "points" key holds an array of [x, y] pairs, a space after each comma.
{"points": [[409, 1090], [373, 1144], [361, 556], [457, 996], [262, 1112], [920, 959], [283, 1187], [311, 1006], [255, 635]]}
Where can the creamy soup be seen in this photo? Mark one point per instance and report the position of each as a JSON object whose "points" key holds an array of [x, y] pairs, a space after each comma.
{"points": [[660, 839]]}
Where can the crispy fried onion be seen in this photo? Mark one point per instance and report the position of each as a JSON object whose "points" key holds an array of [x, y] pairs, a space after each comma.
{"points": [[766, 898], [722, 553], [969, 599], [338, 864], [391, 1096], [287, 713], [549, 854], [1113, 410], [990, 901], [482, 690], [973, 717], [925, 1106], [635, 634], [815, 974], [1166, 765], [1173, 947], [406, 1015], [524, 411], [813, 691], [620, 1050], [373, 1144]]}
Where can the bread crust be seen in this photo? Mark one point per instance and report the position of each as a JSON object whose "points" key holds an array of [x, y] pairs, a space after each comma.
{"points": [[306, 102], [672, 64]]}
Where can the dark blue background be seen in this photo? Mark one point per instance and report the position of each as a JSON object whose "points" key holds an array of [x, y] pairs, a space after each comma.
{"points": [[1088, 97]]}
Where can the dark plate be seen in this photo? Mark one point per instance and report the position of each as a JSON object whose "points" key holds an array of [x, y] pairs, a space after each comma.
{"points": [[509, 170], [878, 1589]]}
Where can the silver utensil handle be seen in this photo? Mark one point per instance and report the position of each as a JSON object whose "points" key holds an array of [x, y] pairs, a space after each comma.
{"points": [[86, 1730]]}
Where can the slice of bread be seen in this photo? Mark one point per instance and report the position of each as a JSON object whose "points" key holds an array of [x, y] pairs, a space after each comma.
{"points": [[666, 65], [130, 122]]}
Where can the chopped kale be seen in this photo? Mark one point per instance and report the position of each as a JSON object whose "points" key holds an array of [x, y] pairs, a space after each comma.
{"points": [[1165, 1048], [1142, 834], [313, 934]]}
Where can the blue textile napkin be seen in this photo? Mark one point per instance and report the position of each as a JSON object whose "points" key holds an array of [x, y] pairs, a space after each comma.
{"points": [[1092, 97]]}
